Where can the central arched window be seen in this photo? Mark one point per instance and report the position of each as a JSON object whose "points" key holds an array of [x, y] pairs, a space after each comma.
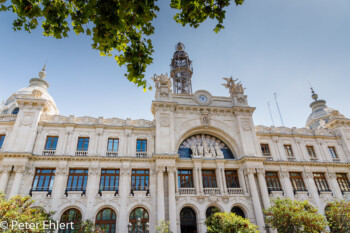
{"points": [[106, 220], [70, 215], [238, 211], [204, 145], [15, 111], [211, 210], [139, 213]]}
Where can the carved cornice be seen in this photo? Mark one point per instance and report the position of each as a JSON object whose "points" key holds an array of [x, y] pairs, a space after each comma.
{"points": [[307, 163]]}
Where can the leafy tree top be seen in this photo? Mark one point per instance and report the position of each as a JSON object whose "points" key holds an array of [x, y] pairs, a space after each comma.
{"points": [[118, 28], [290, 216], [338, 216]]}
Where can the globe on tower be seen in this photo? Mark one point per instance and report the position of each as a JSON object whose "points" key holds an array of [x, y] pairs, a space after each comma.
{"points": [[181, 70]]}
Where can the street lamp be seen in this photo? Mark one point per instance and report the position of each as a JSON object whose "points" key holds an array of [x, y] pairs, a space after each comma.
{"points": [[138, 227]]}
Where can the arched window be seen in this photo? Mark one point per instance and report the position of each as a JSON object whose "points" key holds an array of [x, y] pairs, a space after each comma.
{"points": [[211, 210], [188, 220], [15, 111], [238, 211], [106, 220], [139, 213], [70, 215]]}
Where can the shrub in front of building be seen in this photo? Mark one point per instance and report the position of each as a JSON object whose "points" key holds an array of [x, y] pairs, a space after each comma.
{"points": [[338, 216]]}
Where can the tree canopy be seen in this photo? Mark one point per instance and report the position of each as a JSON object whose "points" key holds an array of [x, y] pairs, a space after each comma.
{"points": [[290, 216], [119, 28], [338, 216], [229, 223]]}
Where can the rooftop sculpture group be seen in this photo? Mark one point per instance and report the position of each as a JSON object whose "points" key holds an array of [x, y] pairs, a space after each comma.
{"points": [[206, 151]]}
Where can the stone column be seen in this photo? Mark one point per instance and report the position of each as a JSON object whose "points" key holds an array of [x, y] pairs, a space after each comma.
{"points": [[196, 180], [172, 200], [332, 177], [176, 182], [200, 180], [287, 184], [242, 181], [59, 186], [68, 142], [92, 190], [263, 188], [219, 180], [19, 169], [222, 173], [313, 189], [124, 191], [255, 198], [160, 194], [6, 169]]}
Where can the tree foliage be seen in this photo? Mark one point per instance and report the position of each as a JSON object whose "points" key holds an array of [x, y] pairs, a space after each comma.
{"points": [[163, 227], [338, 216], [119, 28], [290, 216], [19, 209], [229, 223]]}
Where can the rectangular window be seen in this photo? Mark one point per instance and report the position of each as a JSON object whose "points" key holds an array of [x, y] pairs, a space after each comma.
{"points": [[141, 145], [209, 179], [311, 151], [333, 152], [265, 149], [83, 144], [232, 180], [51, 143], [2, 139], [185, 178], [321, 182], [297, 181], [77, 179], [109, 180], [289, 151], [140, 179], [43, 179], [113, 144], [272, 181], [343, 182]]}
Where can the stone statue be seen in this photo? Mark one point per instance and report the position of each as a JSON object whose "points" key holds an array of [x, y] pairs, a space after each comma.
{"points": [[233, 88], [194, 150], [206, 148], [200, 149], [162, 81], [212, 151], [218, 150]]}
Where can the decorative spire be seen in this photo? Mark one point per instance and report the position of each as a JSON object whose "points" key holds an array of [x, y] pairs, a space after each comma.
{"points": [[314, 95], [42, 73]]}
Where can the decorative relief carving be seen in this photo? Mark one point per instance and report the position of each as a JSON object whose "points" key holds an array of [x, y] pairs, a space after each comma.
{"points": [[160, 169], [61, 170], [27, 119], [6, 168], [125, 171], [246, 124], [19, 168], [205, 119], [250, 171], [94, 171], [164, 120]]}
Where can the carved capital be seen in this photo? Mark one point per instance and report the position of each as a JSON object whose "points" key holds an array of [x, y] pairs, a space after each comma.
{"points": [[160, 169], [260, 171], [171, 169], [250, 171], [6, 168], [125, 171], [19, 168], [61, 171], [94, 171]]}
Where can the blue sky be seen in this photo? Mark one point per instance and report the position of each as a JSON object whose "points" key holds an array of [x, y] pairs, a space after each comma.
{"points": [[271, 46]]}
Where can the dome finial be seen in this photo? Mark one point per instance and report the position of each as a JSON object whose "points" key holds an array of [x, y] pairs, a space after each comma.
{"points": [[42, 73], [314, 95]]}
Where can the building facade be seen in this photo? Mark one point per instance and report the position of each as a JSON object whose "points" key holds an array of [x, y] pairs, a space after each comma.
{"points": [[199, 152]]}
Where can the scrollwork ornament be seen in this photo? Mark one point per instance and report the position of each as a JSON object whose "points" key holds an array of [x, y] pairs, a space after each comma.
{"points": [[94, 171], [19, 168], [160, 169], [125, 171], [171, 169], [61, 170], [260, 171], [250, 171], [6, 168], [309, 174]]}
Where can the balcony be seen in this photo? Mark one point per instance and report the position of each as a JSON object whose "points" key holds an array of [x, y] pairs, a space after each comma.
{"points": [[187, 191], [49, 152], [111, 154], [211, 191], [235, 191], [140, 189], [268, 158], [78, 189], [313, 159], [41, 189], [142, 154], [81, 153], [291, 158], [108, 189], [336, 160], [8, 117]]}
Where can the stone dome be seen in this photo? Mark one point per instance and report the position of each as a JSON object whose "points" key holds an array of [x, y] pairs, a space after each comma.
{"points": [[37, 89], [321, 114]]}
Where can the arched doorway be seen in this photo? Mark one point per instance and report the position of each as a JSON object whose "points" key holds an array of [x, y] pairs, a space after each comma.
{"points": [[188, 220], [211, 210], [106, 220], [139, 213], [70, 215], [238, 211]]}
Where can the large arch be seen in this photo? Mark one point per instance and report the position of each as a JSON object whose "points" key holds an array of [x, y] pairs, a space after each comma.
{"points": [[238, 211], [188, 220], [107, 220], [139, 212], [71, 215]]}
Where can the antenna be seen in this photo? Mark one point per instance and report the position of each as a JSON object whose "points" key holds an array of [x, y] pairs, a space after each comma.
{"points": [[275, 94], [268, 104]]}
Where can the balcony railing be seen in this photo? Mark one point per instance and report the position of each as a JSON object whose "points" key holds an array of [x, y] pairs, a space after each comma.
{"points": [[291, 159], [109, 189], [41, 189], [8, 117], [274, 189], [211, 191], [235, 191], [268, 158], [187, 191], [112, 154], [81, 189], [313, 159], [81, 153], [139, 188], [49, 152], [142, 154], [336, 159]]}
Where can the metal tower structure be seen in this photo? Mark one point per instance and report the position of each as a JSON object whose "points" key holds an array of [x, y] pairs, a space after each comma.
{"points": [[181, 70]]}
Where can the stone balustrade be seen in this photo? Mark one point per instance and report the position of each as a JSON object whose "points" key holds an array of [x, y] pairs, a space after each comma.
{"points": [[187, 191], [49, 152], [211, 191], [235, 191]]}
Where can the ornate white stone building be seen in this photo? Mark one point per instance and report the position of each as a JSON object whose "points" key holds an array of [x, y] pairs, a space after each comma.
{"points": [[200, 151]]}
